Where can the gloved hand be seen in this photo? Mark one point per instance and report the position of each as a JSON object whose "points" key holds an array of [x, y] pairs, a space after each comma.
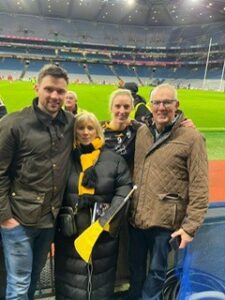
{"points": [[85, 201]]}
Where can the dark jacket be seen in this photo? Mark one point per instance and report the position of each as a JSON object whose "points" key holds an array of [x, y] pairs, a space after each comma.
{"points": [[74, 278], [122, 141], [34, 154], [141, 111], [3, 110]]}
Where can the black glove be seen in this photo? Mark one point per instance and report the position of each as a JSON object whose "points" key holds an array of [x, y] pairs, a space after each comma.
{"points": [[85, 202]]}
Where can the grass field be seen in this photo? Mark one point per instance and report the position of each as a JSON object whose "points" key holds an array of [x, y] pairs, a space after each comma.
{"points": [[205, 108]]}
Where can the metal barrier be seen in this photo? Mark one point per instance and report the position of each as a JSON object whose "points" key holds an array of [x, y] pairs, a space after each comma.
{"points": [[45, 286]]}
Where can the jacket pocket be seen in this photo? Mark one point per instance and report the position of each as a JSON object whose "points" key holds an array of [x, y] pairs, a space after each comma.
{"points": [[172, 209], [26, 204], [169, 197]]}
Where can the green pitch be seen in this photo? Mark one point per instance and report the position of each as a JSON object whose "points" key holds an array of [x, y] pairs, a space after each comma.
{"points": [[205, 108]]}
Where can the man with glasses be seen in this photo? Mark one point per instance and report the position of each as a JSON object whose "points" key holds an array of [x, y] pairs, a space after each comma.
{"points": [[170, 170]]}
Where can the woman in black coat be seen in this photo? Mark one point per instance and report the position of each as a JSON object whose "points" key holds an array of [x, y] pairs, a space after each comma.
{"points": [[97, 175]]}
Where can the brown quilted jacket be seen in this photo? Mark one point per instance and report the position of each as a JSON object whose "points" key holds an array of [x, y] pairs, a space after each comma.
{"points": [[172, 179]]}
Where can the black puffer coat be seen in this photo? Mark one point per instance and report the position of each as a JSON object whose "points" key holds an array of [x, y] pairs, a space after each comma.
{"points": [[74, 278]]}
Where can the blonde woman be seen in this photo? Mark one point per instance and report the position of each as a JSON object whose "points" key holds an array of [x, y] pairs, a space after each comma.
{"points": [[120, 131], [97, 175]]}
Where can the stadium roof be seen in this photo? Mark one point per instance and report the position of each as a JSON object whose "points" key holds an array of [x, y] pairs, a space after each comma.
{"points": [[132, 12]]}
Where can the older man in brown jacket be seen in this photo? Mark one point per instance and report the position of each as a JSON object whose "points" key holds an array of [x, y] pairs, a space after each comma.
{"points": [[170, 171]]}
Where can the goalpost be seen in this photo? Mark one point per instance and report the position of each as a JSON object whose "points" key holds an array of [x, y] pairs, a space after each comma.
{"points": [[206, 65], [221, 88]]}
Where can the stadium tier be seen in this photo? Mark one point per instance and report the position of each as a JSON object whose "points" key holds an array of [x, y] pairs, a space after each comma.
{"points": [[105, 53]]}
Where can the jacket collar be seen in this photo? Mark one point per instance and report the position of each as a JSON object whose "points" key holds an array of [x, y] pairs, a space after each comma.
{"points": [[47, 119], [164, 137]]}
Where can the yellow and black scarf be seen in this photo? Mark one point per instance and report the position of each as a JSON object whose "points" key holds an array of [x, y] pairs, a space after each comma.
{"points": [[86, 183]]}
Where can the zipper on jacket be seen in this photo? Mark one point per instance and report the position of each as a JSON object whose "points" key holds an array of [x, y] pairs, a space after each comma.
{"points": [[90, 265], [90, 271]]}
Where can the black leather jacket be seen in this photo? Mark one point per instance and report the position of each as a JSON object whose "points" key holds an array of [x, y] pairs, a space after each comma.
{"points": [[34, 155]]}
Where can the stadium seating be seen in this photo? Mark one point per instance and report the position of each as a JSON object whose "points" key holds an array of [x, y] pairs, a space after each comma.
{"points": [[105, 53]]}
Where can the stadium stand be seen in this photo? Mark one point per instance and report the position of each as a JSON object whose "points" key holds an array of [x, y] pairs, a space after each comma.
{"points": [[174, 53]]}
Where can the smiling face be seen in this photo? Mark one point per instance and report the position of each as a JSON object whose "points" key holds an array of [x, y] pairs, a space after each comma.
{"points": [[86, 132], [164, 106], [51, 92], [121, 108]]}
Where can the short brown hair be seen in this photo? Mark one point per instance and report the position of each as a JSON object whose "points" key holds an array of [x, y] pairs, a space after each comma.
{"points": [[54, 71]]}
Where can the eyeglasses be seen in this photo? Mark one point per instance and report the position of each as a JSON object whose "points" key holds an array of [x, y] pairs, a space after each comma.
{"points": [[165, 103]]}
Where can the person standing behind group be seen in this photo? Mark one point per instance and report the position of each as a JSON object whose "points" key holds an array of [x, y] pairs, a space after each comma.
{"points": [[71, 102], [35, 147], [141, 111], [170, 170], [98, 176]]}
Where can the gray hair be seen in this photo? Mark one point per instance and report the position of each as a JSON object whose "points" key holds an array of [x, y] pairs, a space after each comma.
{"points": [[73, 93], [162, 86]]}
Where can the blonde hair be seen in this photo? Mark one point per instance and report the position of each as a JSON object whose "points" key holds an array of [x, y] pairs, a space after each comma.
{"points": [[84, 118], [162, 86], [118, 93]]}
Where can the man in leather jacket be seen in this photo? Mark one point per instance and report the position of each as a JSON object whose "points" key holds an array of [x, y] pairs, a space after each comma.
{"points": [[35, 146]]}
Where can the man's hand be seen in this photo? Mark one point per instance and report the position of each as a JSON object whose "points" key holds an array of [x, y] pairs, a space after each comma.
{"points": [[10, 223], [187, 123], [185, 238]]}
